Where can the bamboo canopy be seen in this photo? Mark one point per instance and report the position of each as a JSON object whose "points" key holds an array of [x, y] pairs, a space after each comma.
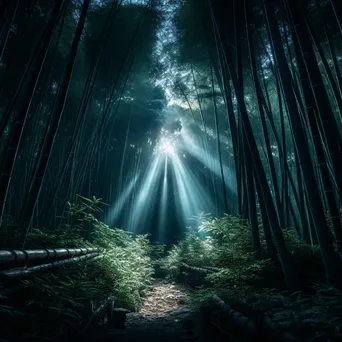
{"points": [[24, 272], [25, 256]]}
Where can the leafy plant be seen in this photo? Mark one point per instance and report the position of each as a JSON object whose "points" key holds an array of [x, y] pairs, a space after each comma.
{"points": [[66, 299], [227, 241], [255, 286]]}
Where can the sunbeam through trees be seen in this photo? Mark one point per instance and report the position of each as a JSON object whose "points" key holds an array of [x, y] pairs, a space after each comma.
{"points": [[198, 141]]}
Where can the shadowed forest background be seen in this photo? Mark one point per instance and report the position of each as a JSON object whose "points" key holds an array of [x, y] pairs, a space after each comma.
{"points": [[179, 133]]}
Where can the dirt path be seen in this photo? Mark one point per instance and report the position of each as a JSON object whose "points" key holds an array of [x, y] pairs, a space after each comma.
{"points": [[163, 317]]}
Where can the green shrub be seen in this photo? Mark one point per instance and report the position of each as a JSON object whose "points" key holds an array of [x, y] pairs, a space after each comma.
{"points": [[67, 297], [227, 241], [192, 250]]}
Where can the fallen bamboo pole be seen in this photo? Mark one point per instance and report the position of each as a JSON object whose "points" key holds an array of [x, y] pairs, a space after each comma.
{"points": [[197, 269], [226, 320], [24, 272], [14, 256]]}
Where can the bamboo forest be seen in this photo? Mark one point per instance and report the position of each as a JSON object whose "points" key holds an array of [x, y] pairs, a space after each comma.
{"points": [[171, 170]]}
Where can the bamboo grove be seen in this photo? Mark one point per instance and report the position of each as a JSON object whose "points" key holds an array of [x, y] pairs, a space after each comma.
{"points": [[257, 81], [308, 106]]}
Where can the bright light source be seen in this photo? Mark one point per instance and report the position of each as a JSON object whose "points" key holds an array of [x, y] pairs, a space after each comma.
{"points": [[167, 143], [166, 147]]}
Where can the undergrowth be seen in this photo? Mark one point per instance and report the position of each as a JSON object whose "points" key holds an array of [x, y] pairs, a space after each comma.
{"points": [[222, 250], [67, 298]]}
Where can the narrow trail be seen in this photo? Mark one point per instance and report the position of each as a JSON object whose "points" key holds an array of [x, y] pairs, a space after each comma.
{"points": [[163, 317]]}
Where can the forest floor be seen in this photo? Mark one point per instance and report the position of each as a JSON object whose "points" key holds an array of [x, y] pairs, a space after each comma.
{"points": [[164, 317]]}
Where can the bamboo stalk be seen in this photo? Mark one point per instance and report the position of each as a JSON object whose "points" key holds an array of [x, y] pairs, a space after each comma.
{"points": [[24, 256], [20, 273]]}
